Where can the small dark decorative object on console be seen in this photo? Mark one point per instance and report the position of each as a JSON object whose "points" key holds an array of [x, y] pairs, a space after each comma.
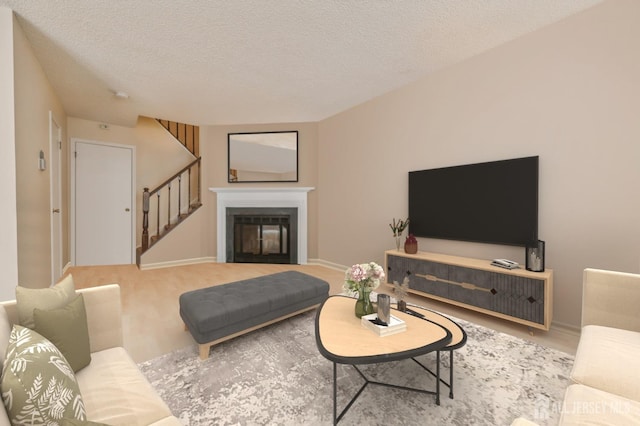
{"points": [[535, 256], [411, 244]]}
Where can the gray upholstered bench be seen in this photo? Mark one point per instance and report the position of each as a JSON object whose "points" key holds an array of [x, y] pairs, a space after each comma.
{"points": [[222, 312]]}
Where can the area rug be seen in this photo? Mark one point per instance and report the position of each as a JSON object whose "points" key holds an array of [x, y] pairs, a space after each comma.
{"points": [[276, 376]]}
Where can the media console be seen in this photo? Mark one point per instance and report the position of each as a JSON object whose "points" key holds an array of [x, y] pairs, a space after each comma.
{"points": [[516, 295]]}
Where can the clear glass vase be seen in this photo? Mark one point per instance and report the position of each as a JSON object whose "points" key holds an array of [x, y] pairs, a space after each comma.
{"points": [[398, 239], [363, 304]]}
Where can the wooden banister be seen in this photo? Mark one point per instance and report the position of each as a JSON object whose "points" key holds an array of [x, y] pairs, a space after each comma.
{"points": [[193, 203]]}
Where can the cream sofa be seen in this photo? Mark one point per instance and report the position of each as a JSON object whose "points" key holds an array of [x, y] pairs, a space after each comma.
{"points": [[606, 370], [113, 389]]}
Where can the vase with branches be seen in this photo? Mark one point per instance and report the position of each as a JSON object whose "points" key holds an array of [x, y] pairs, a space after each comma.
{"points": [[398, 227]]}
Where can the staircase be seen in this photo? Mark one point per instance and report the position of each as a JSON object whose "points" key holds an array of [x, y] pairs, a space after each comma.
{"points": [[174, 200]]}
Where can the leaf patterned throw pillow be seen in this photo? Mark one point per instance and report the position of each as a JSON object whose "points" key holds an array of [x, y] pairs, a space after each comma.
{"points": [[38, 385]]}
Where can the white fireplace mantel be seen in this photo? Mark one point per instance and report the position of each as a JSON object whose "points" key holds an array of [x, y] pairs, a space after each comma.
{"points": [[292, 197]]}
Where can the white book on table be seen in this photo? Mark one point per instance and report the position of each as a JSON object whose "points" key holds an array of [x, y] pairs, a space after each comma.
{"points": [[396, 325]]}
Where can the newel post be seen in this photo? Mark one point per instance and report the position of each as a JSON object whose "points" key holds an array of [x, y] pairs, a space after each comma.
{"points": [[145, 219]]}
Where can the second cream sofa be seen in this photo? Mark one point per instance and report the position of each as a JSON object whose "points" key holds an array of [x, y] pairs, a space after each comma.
{"points": [[605, 387]]}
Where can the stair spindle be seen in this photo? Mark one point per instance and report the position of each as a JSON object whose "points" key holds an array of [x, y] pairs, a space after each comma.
{"points": [[179, 196], [168, 225], [145, 219]]}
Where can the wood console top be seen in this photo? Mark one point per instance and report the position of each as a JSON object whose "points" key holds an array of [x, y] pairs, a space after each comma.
{"points": [[468, 262]]}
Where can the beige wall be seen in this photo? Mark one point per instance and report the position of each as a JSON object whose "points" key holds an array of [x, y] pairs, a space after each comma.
{"points": [[569, 93], [34, 98], [213, 143], [9, 240]]}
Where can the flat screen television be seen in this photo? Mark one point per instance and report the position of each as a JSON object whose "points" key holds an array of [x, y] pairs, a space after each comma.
{"points": [[494, 202]]}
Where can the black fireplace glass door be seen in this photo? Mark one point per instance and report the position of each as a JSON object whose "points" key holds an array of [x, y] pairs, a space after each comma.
{"points": [[261, 242], [249, 243]]}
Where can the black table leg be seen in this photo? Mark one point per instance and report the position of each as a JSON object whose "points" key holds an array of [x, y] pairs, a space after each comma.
{"points": [[451, 375], [335, 394], [437, 377]]}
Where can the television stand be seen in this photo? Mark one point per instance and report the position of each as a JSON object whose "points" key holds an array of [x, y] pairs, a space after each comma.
{"points": [[516, 295]]}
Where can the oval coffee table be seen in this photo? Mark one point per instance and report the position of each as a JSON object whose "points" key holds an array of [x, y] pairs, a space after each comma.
{"points": [[343, 340]]}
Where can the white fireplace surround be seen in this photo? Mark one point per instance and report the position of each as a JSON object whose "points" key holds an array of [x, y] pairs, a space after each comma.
{"points": [[291, 197]]}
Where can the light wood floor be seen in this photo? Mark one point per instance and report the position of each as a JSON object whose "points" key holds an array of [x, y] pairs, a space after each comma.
{"points": [[152, 323]]}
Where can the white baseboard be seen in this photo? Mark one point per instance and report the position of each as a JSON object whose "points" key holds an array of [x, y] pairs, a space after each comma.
{"points": [[182, 262], [327, 264]]}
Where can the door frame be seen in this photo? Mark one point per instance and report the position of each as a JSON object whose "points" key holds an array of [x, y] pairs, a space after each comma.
{"points": [[72, 197], [55, 197]]}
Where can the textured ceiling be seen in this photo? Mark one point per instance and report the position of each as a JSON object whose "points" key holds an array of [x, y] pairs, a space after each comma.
{"points": [[257, 61]]}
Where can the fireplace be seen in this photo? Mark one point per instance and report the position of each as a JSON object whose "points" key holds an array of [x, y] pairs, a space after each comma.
{"points": [[291, 199], [262, 235]]}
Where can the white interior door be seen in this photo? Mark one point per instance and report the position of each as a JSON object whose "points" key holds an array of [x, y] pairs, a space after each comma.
{"points": [[55, 150], [103, 198]]}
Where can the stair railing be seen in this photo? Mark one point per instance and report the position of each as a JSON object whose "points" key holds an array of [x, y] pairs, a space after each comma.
{"points": [[183, 206], [186, 134]]}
